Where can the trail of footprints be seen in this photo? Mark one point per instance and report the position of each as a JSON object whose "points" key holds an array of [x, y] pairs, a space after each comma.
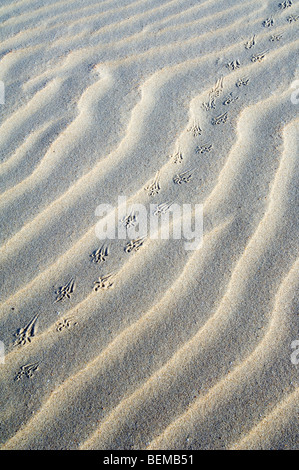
{"points": [[25, 335]]}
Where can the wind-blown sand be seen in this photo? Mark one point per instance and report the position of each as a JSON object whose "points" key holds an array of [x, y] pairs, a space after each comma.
{"points": [[189, 349]]}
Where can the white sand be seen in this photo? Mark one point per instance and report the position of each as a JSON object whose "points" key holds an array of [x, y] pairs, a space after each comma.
{"points": [[190, 349]]}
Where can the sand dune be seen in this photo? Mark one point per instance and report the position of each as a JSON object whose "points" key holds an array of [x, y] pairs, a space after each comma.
{"points": [[190, 101]]}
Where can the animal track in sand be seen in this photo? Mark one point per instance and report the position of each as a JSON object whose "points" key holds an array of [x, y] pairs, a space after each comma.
{"points": [[249, 44], [204, 148], [221, 119], [134, 245], [162, 208], [211, 104], [235, 64], [195, 129], [259, 57], [154, 187], [218, 88], [184, 177], [177, 157], [27, 371], [213, 94], [292, 18], [230, 99], [276, 37], [286, 4], [242, 82], [100, 255], [129, 220], [104, 282], [24, 335], [65, 323], [268, 22], [65, 291]]}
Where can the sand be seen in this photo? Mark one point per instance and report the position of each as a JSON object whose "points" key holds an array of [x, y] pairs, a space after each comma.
{"points": [[142, 343]]}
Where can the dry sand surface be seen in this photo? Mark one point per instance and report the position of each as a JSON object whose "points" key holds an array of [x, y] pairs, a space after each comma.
{"points": [[161, 102]]}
